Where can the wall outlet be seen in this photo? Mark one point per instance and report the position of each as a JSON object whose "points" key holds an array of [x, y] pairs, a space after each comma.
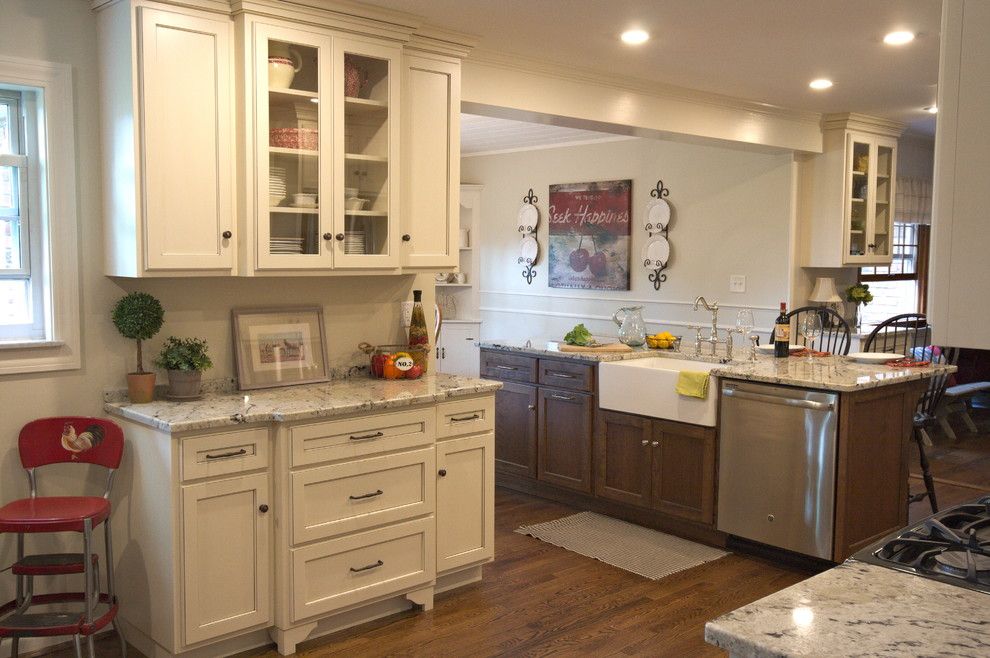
{"points": [[737, 283]]}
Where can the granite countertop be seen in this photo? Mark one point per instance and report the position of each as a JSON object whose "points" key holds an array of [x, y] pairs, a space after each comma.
{"points": [[291, 403], [859, 609], [831, 373]]}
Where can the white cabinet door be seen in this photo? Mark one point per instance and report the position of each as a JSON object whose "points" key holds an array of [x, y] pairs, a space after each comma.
{"points": [[459, 353], [187, 148], [465, 501], [226, 556], [431, 91]]}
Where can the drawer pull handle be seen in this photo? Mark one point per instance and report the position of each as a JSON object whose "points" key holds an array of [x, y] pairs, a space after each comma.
{"points": [[365, 437], [465, 418], [236, 453], [562, 397], [562, 375], [373, 565], [506, 368], [367, 495]]}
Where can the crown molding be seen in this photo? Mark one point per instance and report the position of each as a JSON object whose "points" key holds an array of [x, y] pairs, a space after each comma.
{"points": [[525, 64], [863, 122]]}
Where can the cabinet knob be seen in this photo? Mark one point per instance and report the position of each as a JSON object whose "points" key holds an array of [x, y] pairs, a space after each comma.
{"points": [[646, 442], [227, 235], [655, 444], [442, 472], [340, 237], [532, 407], [328, 236], [263, 508], [406, 237]]}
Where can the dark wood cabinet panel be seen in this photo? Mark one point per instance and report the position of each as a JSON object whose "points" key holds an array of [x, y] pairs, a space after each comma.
{"points": [[565, 425], [508, 367], [684, 471], [516, 429], [875, 448], [564, 374], [622, 450]]}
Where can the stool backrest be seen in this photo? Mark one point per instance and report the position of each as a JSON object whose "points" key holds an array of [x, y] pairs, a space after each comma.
{"points": [[71, 439]]}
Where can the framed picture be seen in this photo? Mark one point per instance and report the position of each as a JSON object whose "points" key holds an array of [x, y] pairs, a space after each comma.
{"points": [[590, 235], [279, 346]]}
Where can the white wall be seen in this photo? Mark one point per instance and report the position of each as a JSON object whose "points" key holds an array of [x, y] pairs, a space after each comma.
{"points": [[357, 308], [732, 215]]}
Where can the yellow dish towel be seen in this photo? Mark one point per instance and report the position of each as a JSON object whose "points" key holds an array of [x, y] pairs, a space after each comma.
{"points": [[693, 384]]}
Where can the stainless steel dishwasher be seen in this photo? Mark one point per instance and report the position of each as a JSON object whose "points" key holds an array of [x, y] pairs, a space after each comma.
{"points": [[776, 481]]}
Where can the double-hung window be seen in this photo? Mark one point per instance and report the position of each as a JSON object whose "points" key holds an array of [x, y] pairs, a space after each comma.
{"points": [[39, 277]]}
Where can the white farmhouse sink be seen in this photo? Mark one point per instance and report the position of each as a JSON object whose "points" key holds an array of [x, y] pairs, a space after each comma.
{"points": [[646, 387]]}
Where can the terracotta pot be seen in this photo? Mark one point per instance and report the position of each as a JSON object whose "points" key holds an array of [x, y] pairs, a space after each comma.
{"points": [[141, 387], [184, 383]]}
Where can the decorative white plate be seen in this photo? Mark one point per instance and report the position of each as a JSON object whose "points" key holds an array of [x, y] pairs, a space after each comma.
{"points": [[768, 349], [657, 215], [656, 252], [874, 357], [529, 250], [528, 218]]}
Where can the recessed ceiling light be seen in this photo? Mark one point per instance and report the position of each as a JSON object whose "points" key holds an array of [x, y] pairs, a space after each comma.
{"points": [[635, 37], [899, 38], [932, 109], [820, 83]]}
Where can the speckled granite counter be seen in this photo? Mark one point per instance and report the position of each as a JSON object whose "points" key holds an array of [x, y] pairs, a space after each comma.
{"points": [[292, 403], [833, 373], [859, 609]]}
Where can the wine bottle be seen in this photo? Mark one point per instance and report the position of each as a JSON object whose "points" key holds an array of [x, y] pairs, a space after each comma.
{"points": [[419, 336], [782, 333]]}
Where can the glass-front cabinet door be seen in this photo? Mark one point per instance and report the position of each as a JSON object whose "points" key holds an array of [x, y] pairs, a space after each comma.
{"points": [[870, 179], [366, 124], [293, 167]]}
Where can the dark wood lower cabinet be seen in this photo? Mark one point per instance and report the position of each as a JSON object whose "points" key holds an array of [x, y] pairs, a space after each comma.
{"points": [[565, 420], [516, 429], [663, 465]]}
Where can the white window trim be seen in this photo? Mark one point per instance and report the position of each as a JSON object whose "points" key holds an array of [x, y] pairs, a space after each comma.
{"points": [[61, 350]]}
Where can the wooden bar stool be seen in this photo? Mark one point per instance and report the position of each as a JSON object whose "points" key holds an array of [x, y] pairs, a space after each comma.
{"points": [[77, 440]]}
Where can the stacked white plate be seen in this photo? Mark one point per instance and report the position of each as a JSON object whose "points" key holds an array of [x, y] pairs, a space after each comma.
{"points": [[276, 182], [354, 242], [286, 245]]}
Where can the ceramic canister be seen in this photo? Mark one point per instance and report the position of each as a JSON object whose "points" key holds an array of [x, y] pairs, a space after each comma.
{"points": [[281, 71]]}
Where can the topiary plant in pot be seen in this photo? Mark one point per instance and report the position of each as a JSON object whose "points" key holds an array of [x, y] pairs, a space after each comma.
{"points": [[139, 316], [185, 359]]}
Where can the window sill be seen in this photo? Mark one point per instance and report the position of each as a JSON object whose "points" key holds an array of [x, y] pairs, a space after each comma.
{"points": [[30, 344]]}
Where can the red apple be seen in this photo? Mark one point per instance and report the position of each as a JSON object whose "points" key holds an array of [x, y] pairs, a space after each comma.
{"points": [[415, 372], [597, 264], [579, 259]]}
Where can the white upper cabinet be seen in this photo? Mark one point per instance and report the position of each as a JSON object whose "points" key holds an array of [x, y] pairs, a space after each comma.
{"points": [[847, 193], [168, 129], [431, 174]]}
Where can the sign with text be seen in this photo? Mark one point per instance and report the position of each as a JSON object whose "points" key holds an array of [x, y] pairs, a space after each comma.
{"points": [[590, 231]]}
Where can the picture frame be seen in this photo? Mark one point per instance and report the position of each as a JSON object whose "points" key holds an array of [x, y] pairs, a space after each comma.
{"points": [[279, 346]]}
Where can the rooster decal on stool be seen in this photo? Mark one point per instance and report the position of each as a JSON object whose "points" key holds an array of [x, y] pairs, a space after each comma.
{"points": [[90, 437]]}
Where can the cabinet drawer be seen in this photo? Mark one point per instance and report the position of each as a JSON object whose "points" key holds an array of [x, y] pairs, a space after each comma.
{"points": [[340, 498], [357, 437], [342, 572], [465, 417], [510, 367], [563, 374], [222, 454]]}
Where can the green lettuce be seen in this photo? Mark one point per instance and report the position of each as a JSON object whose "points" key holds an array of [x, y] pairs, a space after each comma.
{"points": [[579, 335]]}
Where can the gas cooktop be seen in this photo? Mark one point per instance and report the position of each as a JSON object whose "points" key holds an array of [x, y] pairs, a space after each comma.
{"points": [[951, 546]]}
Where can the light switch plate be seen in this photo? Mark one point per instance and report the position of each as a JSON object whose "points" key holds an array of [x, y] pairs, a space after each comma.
{"points": [[737, 283]]}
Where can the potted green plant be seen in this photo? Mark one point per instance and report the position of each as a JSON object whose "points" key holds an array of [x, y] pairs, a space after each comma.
{"points": [[139, 316], [859, 295], [185, 359]]}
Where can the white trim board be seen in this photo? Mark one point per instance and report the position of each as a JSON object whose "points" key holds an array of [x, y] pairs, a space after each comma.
{"points": [[621, 300], [555, 145]]}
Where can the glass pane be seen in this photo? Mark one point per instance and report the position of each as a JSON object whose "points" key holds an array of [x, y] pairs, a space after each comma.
{"points": [[6, 143], [8, 191], [890, 298], [15, 301], [10, 223], [366, 149], [294, 143]]}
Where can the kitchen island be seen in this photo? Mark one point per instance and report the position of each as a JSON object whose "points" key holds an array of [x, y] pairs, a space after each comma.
{"points": [[858, 609], [615, 443], [298, 511]]}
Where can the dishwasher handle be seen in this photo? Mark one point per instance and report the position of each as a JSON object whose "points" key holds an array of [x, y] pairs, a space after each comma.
{"points": [[773, 399]]}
